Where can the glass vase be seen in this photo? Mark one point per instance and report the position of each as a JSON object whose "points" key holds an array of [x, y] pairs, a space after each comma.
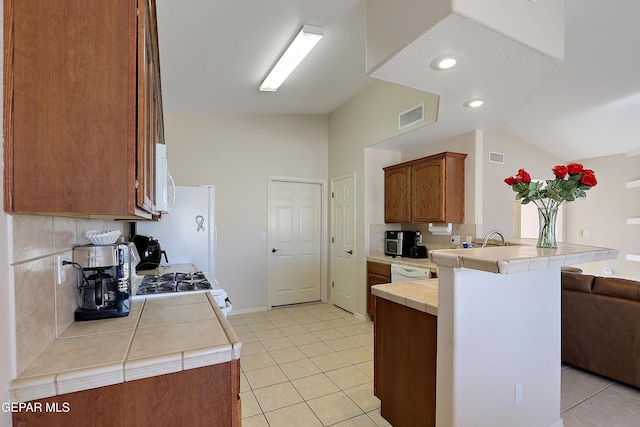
{"points": [[547, 231]]}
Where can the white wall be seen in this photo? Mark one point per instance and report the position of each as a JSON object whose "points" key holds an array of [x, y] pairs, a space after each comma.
{"points": [[375, 160], [368, 118], [521, 20], [237, 154], [604, 214], [496, 331], [497, 197], [392, 25]]}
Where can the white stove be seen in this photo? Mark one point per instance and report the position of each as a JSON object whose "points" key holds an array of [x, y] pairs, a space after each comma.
{"points": [[174, 283]]}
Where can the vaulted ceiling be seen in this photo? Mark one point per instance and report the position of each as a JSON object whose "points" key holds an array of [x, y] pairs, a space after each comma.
{"points": [[215, 53]]}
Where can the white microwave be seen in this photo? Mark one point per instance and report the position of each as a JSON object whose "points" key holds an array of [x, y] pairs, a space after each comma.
{"points": [[165, 186]]}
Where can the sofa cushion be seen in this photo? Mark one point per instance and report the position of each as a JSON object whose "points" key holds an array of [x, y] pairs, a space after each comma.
{"points": [[617, 288], [613, 338], [577, 282], [575, 323]]}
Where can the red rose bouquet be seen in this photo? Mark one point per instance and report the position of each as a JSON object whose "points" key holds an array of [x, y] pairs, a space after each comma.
{"points": [[571, 182]]}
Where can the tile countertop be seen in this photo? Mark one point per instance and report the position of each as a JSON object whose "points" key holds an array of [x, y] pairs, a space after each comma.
{"points": [[425, 263], [159, 336], [421, 295], [520, 255]]}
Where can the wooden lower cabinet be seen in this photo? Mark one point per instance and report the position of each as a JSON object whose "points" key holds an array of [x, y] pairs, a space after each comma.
{"points": [[377, 274], [205, 397], [405, 364]]}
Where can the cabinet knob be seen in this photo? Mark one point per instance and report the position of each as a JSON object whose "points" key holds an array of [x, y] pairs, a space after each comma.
{"points": [[274, 250], [350, 252]]}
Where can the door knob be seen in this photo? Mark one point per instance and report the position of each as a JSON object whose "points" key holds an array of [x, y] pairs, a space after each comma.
{"points": [[350, 252], [274, 250]]}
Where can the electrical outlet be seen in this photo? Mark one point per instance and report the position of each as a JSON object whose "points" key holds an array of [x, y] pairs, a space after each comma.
{"points": [[61, 275], [455, 239]]}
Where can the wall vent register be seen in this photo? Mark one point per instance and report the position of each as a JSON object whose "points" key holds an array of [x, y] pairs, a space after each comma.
{"points": [[411, 117], [496, 157]]}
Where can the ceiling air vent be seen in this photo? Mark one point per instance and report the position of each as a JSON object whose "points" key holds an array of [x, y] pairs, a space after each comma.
{"points": [[496, 157], [411, 117]]}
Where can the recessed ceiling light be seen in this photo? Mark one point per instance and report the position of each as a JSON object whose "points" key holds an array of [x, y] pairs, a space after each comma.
{"points": [[447, 61], [474, 103]]}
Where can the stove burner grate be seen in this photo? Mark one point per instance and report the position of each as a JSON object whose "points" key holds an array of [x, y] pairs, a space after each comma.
{"points": [[202, 285], [158, 288], [173, 282]]}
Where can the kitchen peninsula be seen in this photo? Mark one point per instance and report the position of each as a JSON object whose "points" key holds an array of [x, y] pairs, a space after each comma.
{"points": [[173, 361], [496, 326]]}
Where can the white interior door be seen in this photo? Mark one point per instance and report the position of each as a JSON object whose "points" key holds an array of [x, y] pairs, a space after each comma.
{"points": [[343, 260], [295, 242]]}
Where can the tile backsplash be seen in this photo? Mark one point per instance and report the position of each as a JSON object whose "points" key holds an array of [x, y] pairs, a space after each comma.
{"points": [[43, 309], [431, 241]]}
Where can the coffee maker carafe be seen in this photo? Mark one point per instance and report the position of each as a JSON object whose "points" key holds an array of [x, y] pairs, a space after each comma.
{"points": [[104, 281]]}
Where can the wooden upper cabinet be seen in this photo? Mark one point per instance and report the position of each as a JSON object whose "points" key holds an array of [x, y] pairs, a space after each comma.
{"points": [[150, 118], [73, 111], [397, 202], [433, 191], [427, 191]]}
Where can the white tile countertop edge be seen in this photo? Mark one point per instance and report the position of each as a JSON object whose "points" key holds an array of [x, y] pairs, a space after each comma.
{"points": [[421, 295], [34, 387], [425, 263], [519, 258]]}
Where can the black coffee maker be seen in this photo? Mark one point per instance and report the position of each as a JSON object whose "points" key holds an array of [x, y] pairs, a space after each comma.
{"points": [[104, 281], [149, 251]]}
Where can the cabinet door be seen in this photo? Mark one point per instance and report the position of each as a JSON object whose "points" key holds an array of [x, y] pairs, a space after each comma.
{"points": [[70, 146], [378, 274], [147, 109], [428, 192], [397, 196], [373, 280]]}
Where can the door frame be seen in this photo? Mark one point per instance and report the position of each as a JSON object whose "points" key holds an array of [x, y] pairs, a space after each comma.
{"points": [[324, 231], [355, 240]]}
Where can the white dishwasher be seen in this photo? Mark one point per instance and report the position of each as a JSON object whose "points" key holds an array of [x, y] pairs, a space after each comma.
{"points": [[402, 273]]}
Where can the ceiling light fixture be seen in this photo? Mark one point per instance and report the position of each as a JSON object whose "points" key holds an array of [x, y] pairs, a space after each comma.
{"points": [[447, 61], [474, 103], [301, 45]]}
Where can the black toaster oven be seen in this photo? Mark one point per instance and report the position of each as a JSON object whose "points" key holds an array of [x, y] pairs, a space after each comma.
{"points": [[399, 243]]}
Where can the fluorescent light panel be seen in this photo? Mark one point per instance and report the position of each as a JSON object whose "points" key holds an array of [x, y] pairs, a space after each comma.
{"points": [[301, 45]]}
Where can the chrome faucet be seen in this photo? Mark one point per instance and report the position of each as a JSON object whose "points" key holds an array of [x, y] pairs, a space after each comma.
{"points": [[491, 233]]}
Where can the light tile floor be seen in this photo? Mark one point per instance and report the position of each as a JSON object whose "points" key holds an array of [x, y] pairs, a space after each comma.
{"points": [[312, 365]]}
